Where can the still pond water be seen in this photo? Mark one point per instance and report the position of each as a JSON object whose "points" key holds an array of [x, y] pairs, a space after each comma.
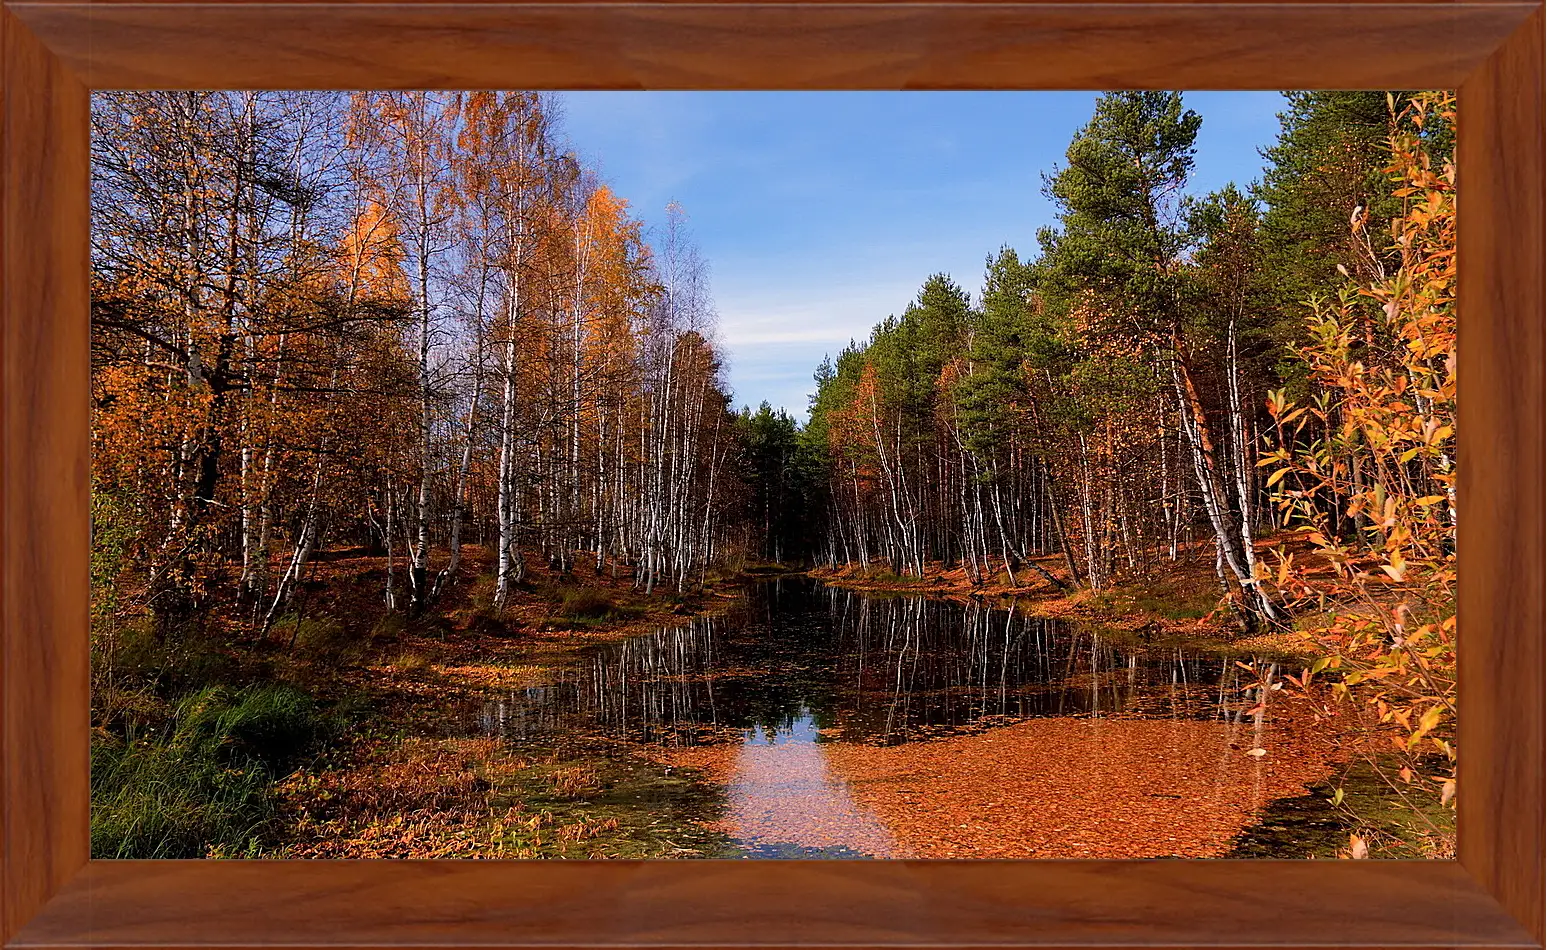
{"points": [[843, 724]]}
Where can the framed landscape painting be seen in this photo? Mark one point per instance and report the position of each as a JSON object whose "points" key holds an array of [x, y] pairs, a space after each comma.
{"points": [[815, 434]]}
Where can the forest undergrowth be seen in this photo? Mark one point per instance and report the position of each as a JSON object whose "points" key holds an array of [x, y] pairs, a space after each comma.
{"points": [[347, 731]]}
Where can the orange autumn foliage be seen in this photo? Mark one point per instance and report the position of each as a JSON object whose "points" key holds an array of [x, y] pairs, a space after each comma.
{"points": [[1368, 472]]}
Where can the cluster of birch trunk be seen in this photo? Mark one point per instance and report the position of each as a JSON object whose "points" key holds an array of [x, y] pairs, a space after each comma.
{"points": [[409, 322]]}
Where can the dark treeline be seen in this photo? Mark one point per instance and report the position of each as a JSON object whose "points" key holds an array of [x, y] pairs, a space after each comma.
{"points": [[1106, 401]]}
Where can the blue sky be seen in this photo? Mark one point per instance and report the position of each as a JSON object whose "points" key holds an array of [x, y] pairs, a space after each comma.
{"points": [[820, 213]]}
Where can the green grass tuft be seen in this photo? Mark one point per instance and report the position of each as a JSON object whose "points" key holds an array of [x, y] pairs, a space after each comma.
{"points": [[199, 782]]}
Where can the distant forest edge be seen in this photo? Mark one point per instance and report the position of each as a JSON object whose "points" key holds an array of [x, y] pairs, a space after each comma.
{"points": [[415, 324]]}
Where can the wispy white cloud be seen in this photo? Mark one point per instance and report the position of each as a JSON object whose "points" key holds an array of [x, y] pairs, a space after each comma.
{"points": [[745, 337], [813, 314], [780, 373], [775, 334]]}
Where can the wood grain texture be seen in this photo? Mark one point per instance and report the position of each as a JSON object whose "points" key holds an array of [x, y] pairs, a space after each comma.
{"points": [[773, 46], [773, 904], [1217, 4], [43, 474], [1500, 483]]}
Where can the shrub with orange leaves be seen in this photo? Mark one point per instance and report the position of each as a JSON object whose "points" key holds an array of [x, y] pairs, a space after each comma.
{"points": [[1366, 469]]}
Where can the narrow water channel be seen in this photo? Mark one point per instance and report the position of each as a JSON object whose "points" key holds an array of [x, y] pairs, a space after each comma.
{"points": [[843, 724]]}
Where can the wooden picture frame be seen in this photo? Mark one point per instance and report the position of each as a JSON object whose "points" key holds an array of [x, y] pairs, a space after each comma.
{"points": [[55, 51]]}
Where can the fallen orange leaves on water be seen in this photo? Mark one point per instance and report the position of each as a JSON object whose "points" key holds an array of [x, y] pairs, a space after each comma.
{"points": [[1078, 788], [1044, 788]]}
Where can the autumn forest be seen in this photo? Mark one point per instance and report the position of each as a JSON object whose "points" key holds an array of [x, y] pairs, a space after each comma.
{"points": [[426, 522]]}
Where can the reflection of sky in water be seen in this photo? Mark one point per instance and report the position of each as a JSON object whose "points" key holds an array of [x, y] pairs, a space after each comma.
{"points": [[802, 729], [783, 794]]}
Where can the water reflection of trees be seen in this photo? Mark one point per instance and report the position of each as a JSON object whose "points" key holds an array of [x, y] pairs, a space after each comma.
{"points": [[874, 669], [914, 665], [649, 688]]}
